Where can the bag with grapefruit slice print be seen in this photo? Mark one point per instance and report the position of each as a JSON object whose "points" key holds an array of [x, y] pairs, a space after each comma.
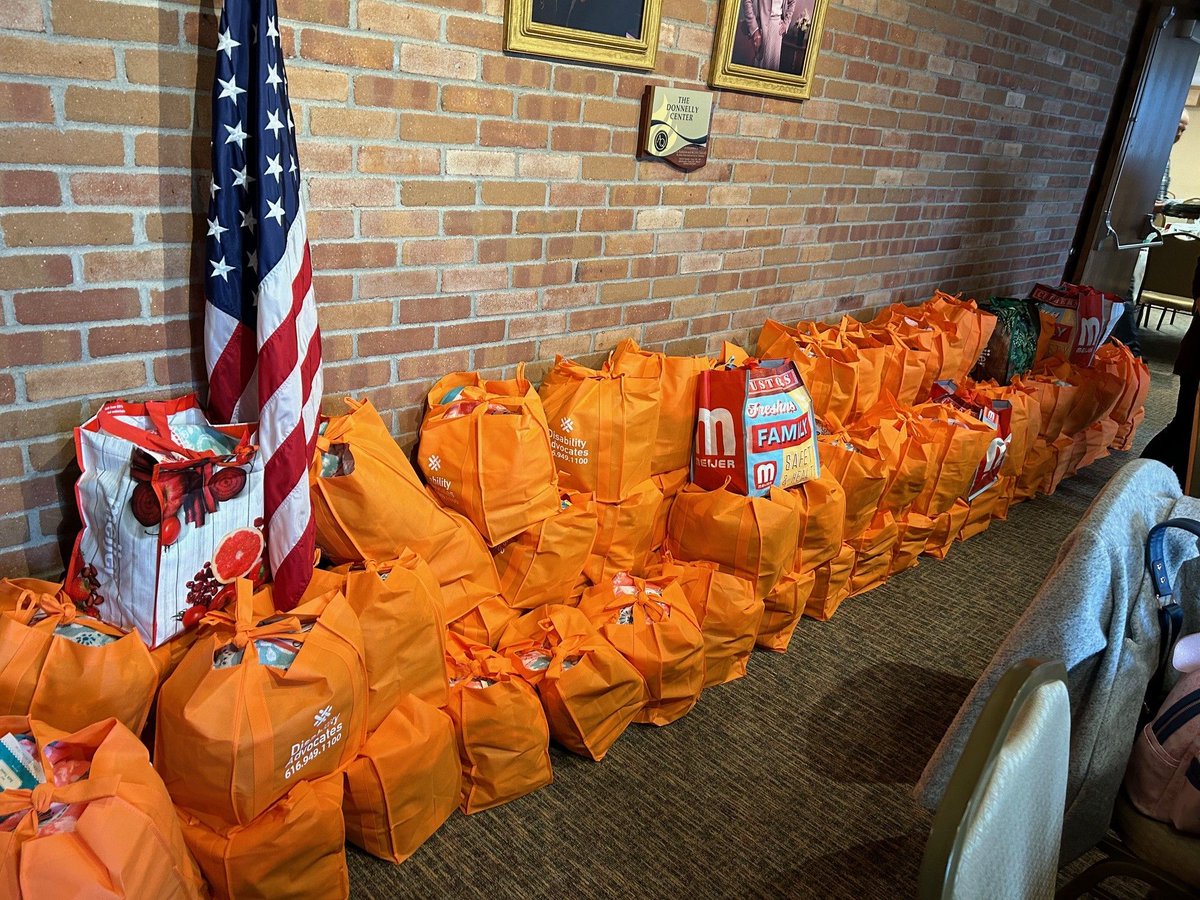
{"points": [[404, 783], [501, 730], [653, 626], [96, 821], [728, 613], [168, 502], [590, 692], [66, 669], [485, 452], [256, 706]]}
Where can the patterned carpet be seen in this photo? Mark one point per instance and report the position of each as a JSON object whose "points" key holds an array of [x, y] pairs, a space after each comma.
{"points": [[794, 781]]}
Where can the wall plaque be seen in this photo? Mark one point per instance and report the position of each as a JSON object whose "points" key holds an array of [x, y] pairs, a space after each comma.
{"points": [[675, 125]]}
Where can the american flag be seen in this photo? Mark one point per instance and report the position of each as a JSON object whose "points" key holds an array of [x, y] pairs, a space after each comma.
{"points": [[261, 339]]}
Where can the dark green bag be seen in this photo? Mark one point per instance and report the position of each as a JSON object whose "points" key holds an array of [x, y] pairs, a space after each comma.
{"points": [[1013, 345]]}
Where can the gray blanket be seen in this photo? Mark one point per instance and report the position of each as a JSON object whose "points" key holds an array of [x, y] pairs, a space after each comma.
{"points": [[1096, 611]]}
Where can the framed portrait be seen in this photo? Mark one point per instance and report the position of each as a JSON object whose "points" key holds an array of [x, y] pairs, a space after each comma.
{"points": [[767, 46], [607, 32]]}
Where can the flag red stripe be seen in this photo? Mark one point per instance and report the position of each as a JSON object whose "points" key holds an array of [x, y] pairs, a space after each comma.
{"points": [[295, 571], [288, 463], [279, 354], [231, 373]]}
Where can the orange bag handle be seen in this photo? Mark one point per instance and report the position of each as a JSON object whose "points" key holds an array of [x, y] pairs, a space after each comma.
{"points": [[30, 602], [648, 603], [41, 797]]}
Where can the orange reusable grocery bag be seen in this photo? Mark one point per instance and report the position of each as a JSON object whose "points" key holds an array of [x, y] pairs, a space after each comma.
{"points": [[991, 504], [485, 452], [486, 622], [66, 669], [1098, 437], [1039, 465], [371, 503], [503, 739], [958, 443], [590, 692], [913, 531], [832, 383], [971, 326], [676, 376], [602, 428], [863, 479], [653, 626], [541, 563], [669, 485], [1115, 358], [784, 607], [831, 585], [1054, 397], [238, 724], [624, 533], [890, 433], [822, 508], [404, 783], [399, 607], [116, 836], [726, 609], [945, 528], [873, 553], [294, 850], [752, 537]]}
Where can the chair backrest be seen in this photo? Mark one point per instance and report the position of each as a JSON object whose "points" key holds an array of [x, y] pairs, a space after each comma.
{"points": [[996, 833], [1169, 268]]}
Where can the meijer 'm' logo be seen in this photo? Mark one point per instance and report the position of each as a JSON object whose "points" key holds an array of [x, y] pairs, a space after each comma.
{"points": [[1089, 335], [764, 474], [713, 425]]}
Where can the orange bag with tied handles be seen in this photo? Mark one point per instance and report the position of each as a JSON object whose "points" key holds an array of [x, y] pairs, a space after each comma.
{"points": [[541, 564], [502, 734], [238, 724], [399, 607], [485, 452], [654, 627], [873, 553], [752, 537], [590, 692], [946, 528], [485, 623], [676, 376], [726, 609], [66, 669], [368, 503], [603, 427], [101, 823], [889, 434], [405, 783], [294, 850]]}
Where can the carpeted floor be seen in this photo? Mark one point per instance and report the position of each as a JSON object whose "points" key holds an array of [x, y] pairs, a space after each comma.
{"points": [[794, 781]]}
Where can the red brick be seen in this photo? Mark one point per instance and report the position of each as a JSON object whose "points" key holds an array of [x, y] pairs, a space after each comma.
{"points": [[434, 309], [394, 341], [65, 307], [59, 382], [29, 188], [74, 229], [49, 146], [346, 50], [25, 103], [40, 56], [477, 332], [395, 93]]}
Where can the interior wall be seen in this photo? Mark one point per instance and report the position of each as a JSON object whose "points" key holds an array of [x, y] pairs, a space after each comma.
{"points": [[472, 209]]}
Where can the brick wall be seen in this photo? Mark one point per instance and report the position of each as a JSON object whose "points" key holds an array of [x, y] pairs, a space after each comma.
{"points": [[471, 210]]}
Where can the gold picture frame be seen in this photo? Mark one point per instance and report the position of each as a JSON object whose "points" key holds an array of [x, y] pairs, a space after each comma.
{"points": [[595, 31], [742, 63]]}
